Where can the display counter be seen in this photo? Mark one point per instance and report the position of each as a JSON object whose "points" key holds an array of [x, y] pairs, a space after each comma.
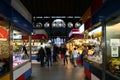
{"points": [[23, 71], [19, 63], [92, 69], [95, 58], [21, 56], [21, 68]]}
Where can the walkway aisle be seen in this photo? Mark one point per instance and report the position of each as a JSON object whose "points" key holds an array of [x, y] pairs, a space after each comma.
{"points": [[57, 72]]}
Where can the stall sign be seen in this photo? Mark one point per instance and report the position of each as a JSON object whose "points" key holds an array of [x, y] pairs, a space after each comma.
{"points": [[114, 51], [114, 42]]}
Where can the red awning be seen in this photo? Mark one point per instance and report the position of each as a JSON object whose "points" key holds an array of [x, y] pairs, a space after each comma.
{"points": [[37, 36]]}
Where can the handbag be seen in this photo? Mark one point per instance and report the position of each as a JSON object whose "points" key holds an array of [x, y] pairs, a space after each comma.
{"points": [[38, 57]]}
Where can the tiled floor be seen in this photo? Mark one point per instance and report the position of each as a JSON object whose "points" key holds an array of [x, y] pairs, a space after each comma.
{"points": [[57, 72]]}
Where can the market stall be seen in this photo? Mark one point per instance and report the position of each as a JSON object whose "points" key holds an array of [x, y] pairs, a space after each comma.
{"points": [[77, 41], [93, 59], [113, 49], [106, 65], [37, 41], [12, 64], [4, 49]]}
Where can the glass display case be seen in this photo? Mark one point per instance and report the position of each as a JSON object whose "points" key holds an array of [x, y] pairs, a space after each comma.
{"points": [[94, 47], [21, 48], [113, 47], [21, 52], [35, 46]]}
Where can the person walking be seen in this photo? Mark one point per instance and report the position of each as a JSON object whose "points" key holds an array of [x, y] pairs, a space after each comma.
{"points": [[41, 55], [71, 57], [75, 55], [55, 52], [63, 52], [25, 51], [48, 55]]}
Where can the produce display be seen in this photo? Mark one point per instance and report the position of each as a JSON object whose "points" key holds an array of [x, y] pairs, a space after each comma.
{"points": [[90, 52], [4, 49], [114, 66], [4, 57]]}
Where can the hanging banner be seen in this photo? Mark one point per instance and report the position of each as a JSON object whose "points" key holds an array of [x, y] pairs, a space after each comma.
{"points": [[37, 36]]}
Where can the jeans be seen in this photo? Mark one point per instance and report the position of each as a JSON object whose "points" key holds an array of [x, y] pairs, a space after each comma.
{"points": [[49, 61], [65, 59]]}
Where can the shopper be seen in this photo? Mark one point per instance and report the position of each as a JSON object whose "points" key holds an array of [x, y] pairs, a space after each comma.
{"points": [[25, 51], [55, 52], [63, 52], [85, 51], [41, 55], [48, 55], [75, 55], [71, 57]]}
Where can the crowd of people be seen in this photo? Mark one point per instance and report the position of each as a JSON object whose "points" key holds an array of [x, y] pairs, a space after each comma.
{"points": [[52, 53]]}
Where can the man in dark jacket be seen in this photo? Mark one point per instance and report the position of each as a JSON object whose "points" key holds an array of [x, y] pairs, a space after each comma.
{"points": [[48, 54], [41, 55], [63, 52]]}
